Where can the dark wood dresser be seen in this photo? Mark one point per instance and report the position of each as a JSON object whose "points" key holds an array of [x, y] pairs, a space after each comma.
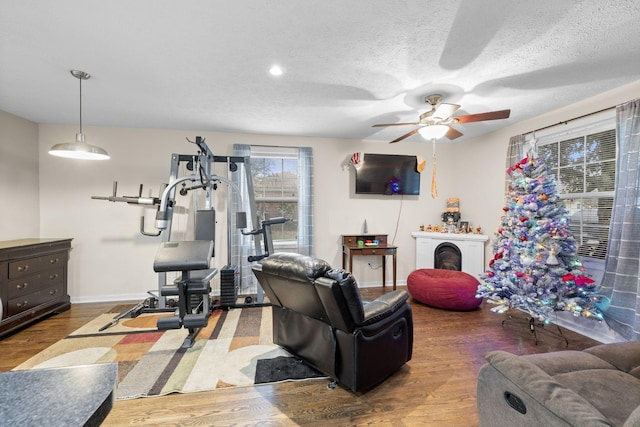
{"points": [[33, 280]]}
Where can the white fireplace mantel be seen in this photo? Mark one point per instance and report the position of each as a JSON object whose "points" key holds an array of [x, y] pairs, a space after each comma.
{"points": [[471, 249]]}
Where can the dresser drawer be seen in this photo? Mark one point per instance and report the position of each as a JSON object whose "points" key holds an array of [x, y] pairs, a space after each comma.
{"points": [[376, 251], [29, 301], [350, 240], [29, 266], [35, 282]]}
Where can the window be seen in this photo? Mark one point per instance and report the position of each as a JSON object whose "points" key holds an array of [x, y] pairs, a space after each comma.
{"points": [[282, 184], [276, 187], [582, 160]]}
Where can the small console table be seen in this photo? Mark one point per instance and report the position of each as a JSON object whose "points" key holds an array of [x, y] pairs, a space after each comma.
{"points": [[350, 249]]}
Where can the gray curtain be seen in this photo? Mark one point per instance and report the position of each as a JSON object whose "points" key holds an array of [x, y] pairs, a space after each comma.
{"points": [[621, 283], [305, 200], [242, 246], [515, 153]]}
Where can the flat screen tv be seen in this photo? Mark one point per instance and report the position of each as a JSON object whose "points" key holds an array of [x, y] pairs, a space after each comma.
{"points": [[387, 174]]}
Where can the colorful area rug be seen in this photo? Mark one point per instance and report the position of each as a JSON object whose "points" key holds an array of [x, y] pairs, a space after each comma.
{"points": [[235, 349]]}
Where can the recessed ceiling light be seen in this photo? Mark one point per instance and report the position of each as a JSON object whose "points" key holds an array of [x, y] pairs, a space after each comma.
{"points": [[276, 70]]}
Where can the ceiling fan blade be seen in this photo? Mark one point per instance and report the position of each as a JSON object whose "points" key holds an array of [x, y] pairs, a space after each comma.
{"points": [[453, 134], [443, 111], [492, 115], [406, 135], [395, 124]]}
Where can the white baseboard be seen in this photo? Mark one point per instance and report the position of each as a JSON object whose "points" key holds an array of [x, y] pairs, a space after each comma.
{"points": [[109, 298], [378, 284], [118, 298], [141, 297], [593, 329], [590, 328]]}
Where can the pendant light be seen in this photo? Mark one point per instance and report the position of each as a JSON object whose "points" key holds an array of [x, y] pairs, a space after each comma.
{"points": [[79, 149]]}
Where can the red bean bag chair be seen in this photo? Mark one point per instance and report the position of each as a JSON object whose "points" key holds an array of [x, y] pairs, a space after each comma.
{"points": [[448, 289]]}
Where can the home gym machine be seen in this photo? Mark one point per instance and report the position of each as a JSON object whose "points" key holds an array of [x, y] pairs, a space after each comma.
{"points": [[192, 258]]}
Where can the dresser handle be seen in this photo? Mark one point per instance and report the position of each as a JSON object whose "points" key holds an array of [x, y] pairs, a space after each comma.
{"points": [[54, 261], [22, 286], [25, 268], [53, 276], [53, 292], [23, 304]]}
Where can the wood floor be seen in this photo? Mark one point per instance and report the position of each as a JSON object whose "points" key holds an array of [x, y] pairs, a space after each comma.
{"points": [[436, 388]]}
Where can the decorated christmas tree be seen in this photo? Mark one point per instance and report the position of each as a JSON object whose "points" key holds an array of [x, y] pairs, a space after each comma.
{"points": [[535, 267]]}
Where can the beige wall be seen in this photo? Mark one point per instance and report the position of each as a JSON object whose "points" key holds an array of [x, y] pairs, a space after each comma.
{"points": [[111, 260], [20, 211]]}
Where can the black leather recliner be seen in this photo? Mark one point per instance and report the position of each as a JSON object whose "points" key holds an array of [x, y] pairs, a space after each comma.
{"points": [[320, 317]]}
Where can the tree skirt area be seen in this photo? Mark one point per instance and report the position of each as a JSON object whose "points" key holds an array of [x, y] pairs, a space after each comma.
{"points": [[235, 349]]}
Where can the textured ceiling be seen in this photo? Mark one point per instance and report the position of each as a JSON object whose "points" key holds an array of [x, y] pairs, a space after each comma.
{"points": [[202, 64]]}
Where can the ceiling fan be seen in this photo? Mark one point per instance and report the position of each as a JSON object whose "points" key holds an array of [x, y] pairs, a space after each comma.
{"points": [[436, 122]]}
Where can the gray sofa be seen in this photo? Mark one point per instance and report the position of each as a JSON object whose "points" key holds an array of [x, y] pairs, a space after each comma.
{"points": [[599, 386]]}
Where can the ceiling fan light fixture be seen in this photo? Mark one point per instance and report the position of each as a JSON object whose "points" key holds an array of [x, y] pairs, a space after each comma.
{"points": [[433, 131], [79, 149]]}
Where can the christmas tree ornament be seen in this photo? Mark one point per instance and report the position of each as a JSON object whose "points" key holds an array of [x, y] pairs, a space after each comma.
{"points": [[552, 259]]}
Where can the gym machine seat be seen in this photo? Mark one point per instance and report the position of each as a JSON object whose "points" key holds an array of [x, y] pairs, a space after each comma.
{"points": [[191, 258]]}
